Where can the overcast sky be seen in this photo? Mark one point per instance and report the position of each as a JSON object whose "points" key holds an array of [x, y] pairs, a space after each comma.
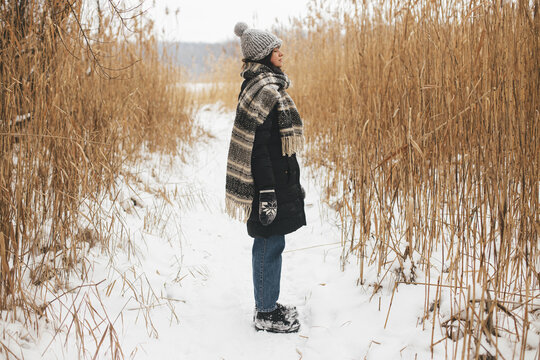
{"points": [[214, 20]]}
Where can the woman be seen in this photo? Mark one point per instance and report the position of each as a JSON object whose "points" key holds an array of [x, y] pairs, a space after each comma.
{"points": [[263, 173]]}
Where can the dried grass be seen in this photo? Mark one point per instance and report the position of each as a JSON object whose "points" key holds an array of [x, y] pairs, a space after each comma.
{"points": [[79, 99]]}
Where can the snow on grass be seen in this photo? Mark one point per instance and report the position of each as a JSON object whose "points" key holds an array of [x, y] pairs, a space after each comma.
{"points": [[175, 280]]}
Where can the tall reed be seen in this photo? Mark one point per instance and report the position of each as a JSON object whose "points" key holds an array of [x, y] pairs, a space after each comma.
{"points": [[78, 100], [425, 116]]}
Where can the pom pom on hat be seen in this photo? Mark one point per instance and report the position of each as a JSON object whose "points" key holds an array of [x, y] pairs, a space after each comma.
{"points": [[239, 28]]}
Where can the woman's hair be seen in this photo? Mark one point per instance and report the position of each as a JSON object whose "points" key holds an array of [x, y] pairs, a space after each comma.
{"points": [[266, 60]]}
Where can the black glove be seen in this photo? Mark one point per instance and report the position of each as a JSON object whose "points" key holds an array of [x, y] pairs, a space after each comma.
{"points": [[267, 206], [303, 192]]}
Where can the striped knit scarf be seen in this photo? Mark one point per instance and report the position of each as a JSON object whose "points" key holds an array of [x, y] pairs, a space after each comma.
{"points": [[264, 90]]}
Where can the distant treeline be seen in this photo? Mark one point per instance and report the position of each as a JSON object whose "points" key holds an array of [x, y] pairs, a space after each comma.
{"points": [[197, 58]]}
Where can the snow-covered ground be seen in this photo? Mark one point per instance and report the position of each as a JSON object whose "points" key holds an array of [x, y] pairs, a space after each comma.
{"points": [[179, 285]]}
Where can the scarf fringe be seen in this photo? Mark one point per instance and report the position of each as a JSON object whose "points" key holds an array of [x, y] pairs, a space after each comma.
{"points": [[292, 144], [237, 210]]}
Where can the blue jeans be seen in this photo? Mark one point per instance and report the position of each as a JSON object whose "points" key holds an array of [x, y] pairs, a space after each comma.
{"points": [[266, 262]]}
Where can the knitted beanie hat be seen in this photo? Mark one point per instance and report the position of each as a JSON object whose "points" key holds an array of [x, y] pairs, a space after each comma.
{"points": [[256, 44]]}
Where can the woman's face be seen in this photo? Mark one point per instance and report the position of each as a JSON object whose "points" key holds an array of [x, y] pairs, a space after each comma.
{"points": [[277, 58]]}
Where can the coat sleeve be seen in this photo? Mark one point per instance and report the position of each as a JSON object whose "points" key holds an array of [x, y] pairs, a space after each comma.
{"points": [[261, 165]]}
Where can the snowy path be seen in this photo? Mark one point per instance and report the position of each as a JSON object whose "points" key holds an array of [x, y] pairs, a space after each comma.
{"points": [[338, 321], [180, 286]]}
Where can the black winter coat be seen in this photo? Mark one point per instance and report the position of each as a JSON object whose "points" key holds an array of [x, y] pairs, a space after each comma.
{"points": [[272, 170]]}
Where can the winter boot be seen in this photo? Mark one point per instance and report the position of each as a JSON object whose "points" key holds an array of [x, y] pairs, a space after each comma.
{"points": [[290, 311], [276, 321]]}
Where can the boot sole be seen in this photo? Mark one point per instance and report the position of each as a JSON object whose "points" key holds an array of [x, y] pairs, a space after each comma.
{"points": [[279, 331]]}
